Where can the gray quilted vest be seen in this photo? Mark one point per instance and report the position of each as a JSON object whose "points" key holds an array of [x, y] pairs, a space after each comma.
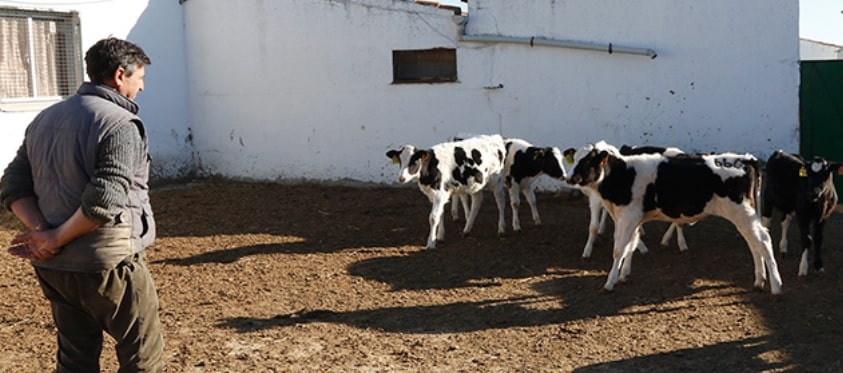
{"points": [[62, 144]]}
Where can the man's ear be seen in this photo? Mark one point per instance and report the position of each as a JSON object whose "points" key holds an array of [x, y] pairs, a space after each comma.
{"points": [[119, 77], [116, 79]]}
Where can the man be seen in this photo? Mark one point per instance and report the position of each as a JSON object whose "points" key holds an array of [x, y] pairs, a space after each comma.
{"points": [[79, 183]]}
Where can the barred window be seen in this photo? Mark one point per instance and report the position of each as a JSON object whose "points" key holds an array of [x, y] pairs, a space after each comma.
{"points": [[40, 55]]}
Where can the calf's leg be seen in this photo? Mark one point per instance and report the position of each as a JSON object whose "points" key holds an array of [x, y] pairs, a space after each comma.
{"points": [[500, 201], [456, 202], [818, 244], [680, 236], [595, 207], [668, 234], [624, 244], [515, 203], [806, 240], [783, 240], [640, 243], [626, 266], [530, 196], [437, 228], [476, 201], [604, 214], [760, 245]]}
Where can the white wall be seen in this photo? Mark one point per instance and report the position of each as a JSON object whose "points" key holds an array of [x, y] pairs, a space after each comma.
{"points": [[810, 50], [302, 88], [157, 27], [726, 77]]}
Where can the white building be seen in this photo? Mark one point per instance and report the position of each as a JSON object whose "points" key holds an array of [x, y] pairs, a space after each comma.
{"points": [[158, 27], [812, 50], [321, 89]]}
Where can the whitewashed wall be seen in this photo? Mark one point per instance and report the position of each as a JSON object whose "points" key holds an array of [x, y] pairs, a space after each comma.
{"points": [[810, 50], [726, 77], [302, 88], [157, 27]]}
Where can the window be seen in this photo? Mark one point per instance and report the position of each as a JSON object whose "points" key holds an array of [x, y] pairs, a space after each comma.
{"points": [[435, 65], [40, 55]]}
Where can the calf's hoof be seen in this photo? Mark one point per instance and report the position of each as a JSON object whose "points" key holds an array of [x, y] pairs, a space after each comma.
{"points": [[802, 274]]}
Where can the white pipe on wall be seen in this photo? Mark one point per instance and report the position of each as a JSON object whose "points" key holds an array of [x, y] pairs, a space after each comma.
{"points": [[533, 41]]}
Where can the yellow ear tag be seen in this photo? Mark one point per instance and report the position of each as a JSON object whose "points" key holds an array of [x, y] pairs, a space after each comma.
{"points": [[395, 160], [569, 159], [803, 172]]}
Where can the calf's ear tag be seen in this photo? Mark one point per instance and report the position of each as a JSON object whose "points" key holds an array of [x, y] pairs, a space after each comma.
{"points": [[569, 159], [395, 160], [803, 172]]}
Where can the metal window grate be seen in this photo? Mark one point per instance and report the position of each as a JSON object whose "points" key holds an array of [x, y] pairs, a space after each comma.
{"points": [[40, 55]]}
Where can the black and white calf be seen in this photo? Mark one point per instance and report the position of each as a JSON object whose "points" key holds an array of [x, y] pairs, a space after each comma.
{"points": [[524, 164], [682, 189], [597, 221], [597, 216], [463, 167], [805, 189], [668, 151]]}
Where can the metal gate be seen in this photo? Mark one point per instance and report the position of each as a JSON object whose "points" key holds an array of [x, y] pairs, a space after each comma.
{"points": [[821, 112]]}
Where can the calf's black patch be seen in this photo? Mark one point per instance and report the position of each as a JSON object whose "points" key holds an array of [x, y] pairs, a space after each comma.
{"points": [[617, 185], [685, 184], [465, 167], [427, 164]]}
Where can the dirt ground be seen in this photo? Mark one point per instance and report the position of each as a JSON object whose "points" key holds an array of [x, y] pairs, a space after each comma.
{"points": [[271, 277]]}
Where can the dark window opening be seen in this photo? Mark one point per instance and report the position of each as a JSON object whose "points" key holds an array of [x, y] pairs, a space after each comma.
{"points": [[437, 65]]}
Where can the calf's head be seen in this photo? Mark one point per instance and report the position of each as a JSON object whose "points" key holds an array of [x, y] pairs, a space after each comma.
{"points": [[551, 161], [402, 157], [588, 165], [816, 177]]}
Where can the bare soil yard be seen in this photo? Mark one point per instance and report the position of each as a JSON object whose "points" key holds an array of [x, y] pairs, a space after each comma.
{"points": [[270, 277]]}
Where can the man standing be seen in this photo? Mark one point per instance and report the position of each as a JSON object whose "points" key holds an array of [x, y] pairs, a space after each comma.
{"points": [[79, 183]]}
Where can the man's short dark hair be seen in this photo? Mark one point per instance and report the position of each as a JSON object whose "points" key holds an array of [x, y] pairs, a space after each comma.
{"points": [[107, 55]]}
